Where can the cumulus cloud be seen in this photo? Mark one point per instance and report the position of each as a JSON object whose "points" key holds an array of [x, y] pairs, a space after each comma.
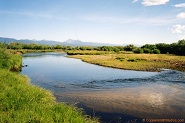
{"points": [[154, 2], [178, 28], [181, 15], [180, 5]]}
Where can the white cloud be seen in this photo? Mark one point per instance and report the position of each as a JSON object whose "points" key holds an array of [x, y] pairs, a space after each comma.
{"points": [[181, 15], [178, 28], [134, 1], [154, 2], [180, 5]]}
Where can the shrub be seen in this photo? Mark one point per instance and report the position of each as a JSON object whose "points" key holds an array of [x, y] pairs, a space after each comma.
{"points": [[129, 47], [138, 50], [146, 50], [156, 51], [116, 50], [149, 46]]}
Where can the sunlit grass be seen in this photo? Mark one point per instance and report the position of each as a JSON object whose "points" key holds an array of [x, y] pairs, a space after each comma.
{"points": [[146, 62], [23, 51], [21, 102], [10, 61], [87, 52]]}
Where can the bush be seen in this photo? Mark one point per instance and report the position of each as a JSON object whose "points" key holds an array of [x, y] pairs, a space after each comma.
{"points": [[116, 50], [146, 50], [156, 51], [129, 47], [149, 46], [138, 50]]}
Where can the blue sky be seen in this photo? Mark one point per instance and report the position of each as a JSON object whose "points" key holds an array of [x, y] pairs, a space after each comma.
{"points": [[104, 21]]}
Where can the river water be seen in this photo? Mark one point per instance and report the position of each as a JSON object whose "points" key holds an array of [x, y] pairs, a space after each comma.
{"points": [[113, 95]]}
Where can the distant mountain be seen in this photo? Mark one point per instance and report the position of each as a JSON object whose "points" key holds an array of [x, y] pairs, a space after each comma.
{"points": [[27, 41], [69, 42]]}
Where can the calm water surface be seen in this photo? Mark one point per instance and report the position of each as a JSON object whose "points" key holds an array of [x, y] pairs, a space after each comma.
{"points": [[114, 95]]}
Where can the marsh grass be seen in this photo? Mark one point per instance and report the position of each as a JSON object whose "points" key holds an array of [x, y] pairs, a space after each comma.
{"points": [[88, 52], [128, 61], [10, 61], [21, 102], [23, 51]]}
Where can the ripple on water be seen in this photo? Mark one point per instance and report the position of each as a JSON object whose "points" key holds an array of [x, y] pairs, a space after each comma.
{"points": [[109, 91]]}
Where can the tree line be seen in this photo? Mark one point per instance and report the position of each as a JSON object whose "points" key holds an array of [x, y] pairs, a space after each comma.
{"points": [[163, 48]]}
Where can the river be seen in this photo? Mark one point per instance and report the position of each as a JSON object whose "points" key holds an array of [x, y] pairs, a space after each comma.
{"points": [[113, 95]]}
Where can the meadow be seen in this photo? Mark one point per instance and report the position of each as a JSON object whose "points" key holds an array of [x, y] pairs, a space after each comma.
{"points": [[131, 61], [21, 102]]}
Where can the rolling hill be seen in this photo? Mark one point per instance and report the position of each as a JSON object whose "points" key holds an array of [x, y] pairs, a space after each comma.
{"points": [[69, 42]]}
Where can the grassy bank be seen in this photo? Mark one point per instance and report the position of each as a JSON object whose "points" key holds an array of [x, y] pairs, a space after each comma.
{"points": [[130, 61], [10, 61], [21, 102], [23, 51]]}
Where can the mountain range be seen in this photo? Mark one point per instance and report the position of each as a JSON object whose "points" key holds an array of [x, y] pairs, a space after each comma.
{"points": [[69, 42]]}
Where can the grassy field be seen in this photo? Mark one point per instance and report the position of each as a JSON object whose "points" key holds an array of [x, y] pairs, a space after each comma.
{"points": [[130, 61], [21, 102]]}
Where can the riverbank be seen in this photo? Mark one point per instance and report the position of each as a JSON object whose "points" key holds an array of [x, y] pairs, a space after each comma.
{"points": [[131, 61], [23, 51], [22, 102]]}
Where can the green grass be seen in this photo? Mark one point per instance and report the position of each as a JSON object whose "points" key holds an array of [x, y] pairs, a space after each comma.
{"points": [[87, 52], [21, 102], [131, 61], [23, 51], [10, 61]]}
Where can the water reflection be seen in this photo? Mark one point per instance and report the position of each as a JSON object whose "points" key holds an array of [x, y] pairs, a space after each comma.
{"points": [[155, 99], [149, 101], [106, 91]]}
